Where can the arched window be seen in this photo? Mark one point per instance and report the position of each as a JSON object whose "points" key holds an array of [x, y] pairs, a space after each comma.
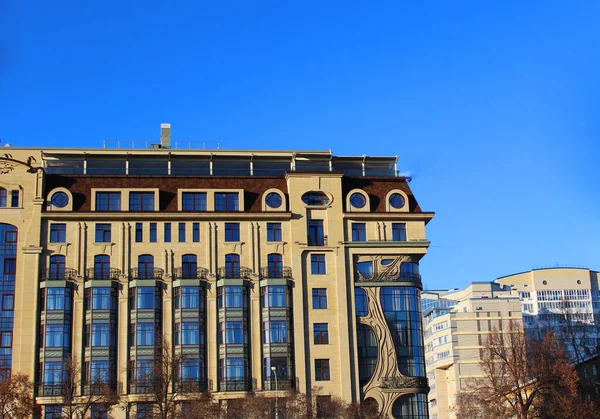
{"points": [[232, 265], [3, 194], [145, 266], [275, 264], [101, 267], [189, 266], [57, 267]]}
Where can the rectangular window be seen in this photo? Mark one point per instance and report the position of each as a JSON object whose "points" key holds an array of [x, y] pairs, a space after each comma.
{"points": [[275, 331], [226, 201], [10, 266], [108, 201], [317, 264], [144, 334], [2, 198], [152, 232], [14, 199], [321, 333], [232, 232], [141, 201], [139, 233], [52, 411], [196, 232], [100, 334], [273, 232], [58, 233], [8, 302], [181, 232], [103, 233], [319, 297], [193, 201], [232, 332], [167, 232], [316, 235], [399, 232], [321, 369], [359, 232]]}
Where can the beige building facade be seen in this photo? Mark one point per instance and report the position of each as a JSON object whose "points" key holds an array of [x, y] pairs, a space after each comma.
{"points": [[455, 324], [251, 264]]}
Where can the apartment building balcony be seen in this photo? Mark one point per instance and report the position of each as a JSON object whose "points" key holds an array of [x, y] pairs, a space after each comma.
{"points": [[225, 272], [391, 277], [282, 384], [112, 274], [45, 390], [282, 272], [154, 273], [53, 274], [404, 382], [185, 273], [99, 388], [244, 384], [193, 386]]}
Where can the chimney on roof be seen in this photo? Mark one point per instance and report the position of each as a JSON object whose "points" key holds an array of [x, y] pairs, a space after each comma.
{"points": [[165, 135]]}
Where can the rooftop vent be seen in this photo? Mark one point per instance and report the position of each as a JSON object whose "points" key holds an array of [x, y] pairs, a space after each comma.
{"points": [[165, 135]]}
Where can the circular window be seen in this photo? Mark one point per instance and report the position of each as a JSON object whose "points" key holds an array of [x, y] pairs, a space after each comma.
{"points": [[273, 200], [60, 199], [396, 200], [545, 282], [579, 281], [315, 198], [357, 200]]}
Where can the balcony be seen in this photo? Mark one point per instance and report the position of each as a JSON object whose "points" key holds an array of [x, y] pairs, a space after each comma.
{"points": [[391, 277], [235, 385], [102, 274], [193, 386], [53, 274], [285, 272], [99, 388], [181, 273], [282, 384], [45, 390], [404, 382], [239, 273], [154, 273]]}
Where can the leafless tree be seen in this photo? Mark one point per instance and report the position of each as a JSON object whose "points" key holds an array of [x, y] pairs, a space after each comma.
{"points": [[16, 397], [523, 379]]}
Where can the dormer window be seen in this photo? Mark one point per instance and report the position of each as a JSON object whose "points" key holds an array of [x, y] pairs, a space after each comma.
{"points": [[315, 198]]}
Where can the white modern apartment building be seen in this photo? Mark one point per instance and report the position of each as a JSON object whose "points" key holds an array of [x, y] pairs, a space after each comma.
{"points": [[455, 324], [564, 300]]}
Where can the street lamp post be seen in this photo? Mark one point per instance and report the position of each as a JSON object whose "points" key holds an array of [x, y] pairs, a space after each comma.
{"points": [[274, 370]]}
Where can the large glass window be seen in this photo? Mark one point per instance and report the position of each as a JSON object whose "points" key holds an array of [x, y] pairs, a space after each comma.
{"points": [[360, 298], [275, 331], [101, 334], [108, 201], [188, 333], [321, 333], [192, 369], [232, 266], [232, 296], [274, 296], [317, 264], [402, 309], [58, 299], [58, 336], [233, 369], [54, 373], [275, 265], [99, 298], [58, 233], [193, 201], [102, 233], [367, 352], [226, 201], [57, 267], [316, 234], [399, 232], [273, 232], [53, 411], [232, 232], [145, 298], [144, 335], [189, 297], [101, 267], [359, 232], [321, 369], [232, 332], [141, 201], [413, 406], [319, 298]]}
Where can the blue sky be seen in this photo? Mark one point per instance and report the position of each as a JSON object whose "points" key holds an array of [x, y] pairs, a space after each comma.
{"points": [[492, 107]]}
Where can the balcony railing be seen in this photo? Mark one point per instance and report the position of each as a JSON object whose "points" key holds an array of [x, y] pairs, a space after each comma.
{"points": [[282, 384], [284, 272], [141, 387], [53, 274], [238, 273], [155, 273], [181, 273], [391, 277], [99, 388], [102, 274], [404, 382], [51, 390], [193, 386], [235, 385]]}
